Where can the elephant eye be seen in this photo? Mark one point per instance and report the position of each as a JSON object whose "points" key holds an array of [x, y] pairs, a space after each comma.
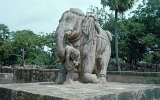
{"points": [[69, 19]]}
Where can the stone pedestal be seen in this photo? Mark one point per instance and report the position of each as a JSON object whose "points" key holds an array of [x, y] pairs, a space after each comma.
{"points": [[79, 91], [6, 78]]}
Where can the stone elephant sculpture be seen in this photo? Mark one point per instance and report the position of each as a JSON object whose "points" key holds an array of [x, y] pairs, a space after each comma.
{"points": [[84, 33]]}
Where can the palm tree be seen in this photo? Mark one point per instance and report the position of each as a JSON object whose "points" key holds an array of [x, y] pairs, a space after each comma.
{"points": [[119, 6]]}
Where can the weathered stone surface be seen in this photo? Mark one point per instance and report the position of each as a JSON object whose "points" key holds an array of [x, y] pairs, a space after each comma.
{"points": [[6, 75], [23, 75], [79, 91], [44, 75], [84, 33], [6, 78], [134, 77]]}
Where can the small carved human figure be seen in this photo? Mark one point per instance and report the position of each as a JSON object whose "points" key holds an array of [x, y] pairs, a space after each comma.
{"points": [[71, 63]]}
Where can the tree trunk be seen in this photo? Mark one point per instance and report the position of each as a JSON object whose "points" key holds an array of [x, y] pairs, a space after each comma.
{"points": [[116, 41]]}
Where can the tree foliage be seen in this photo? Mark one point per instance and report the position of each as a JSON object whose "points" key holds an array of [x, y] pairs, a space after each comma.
{"points": [[139, 35], [36, 49], [119, 5], [4, 33]]}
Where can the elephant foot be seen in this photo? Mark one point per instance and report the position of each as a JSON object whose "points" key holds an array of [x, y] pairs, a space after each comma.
{"points": [[89, 78], [102, 80], [68, 81], [60, 79]]}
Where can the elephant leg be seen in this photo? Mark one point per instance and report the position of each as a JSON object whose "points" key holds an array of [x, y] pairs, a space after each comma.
{"points": [[69, 77], [102, 63], [89, 78], [86, 75], [61, 75], [101, 70]]}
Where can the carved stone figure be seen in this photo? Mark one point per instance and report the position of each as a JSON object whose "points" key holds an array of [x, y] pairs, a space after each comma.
{"points": [[71, 63], [83, 33]]}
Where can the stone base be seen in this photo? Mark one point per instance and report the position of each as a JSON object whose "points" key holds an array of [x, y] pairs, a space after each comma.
{"points": [[79, 91]]}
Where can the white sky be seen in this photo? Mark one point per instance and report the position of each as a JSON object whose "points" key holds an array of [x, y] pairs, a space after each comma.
{"points": [[38, 15]]}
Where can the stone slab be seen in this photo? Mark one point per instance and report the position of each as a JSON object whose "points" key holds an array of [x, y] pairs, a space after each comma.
{"points": [[79, 91], [6, 78], [6, 75]]}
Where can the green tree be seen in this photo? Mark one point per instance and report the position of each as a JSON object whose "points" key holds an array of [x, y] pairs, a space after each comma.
{"points": [[99, 13], [118, 6], [33, 46], [132, 46], [149, 15], [4, 33], [5, 52], [50, 42], [26, 46]]}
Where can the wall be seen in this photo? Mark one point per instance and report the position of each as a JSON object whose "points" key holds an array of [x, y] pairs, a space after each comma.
{"points": [[134, 77], [6, 78], [48, 75], [21, 75]]}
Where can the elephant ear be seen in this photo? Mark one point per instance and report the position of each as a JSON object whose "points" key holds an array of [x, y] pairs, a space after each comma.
{"points": [[109, 35], [101, 31], [88, 25]]}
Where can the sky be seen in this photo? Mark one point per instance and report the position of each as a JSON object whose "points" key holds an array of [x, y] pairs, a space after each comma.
{"points": [[38, 15]]}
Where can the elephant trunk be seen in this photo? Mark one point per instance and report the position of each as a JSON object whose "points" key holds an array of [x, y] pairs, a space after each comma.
{"points": [[60, 43]]}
